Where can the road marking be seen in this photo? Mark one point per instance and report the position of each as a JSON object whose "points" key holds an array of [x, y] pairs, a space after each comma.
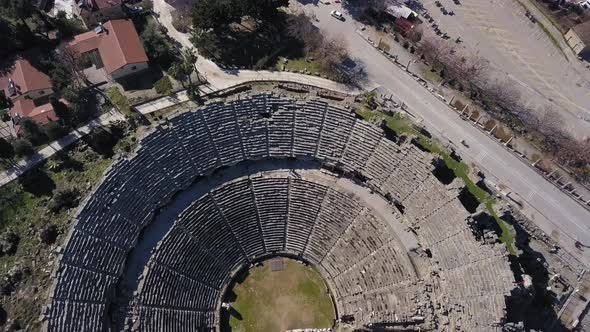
{"points": [[531, 195], [481, 156]]}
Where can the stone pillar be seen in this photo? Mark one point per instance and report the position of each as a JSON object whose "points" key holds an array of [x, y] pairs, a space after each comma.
{"points": [[492, 130], [477, 120], [464, 109]]}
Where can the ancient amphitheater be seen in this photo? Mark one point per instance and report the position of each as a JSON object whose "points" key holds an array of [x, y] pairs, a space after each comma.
{"points": [[210, 192]]}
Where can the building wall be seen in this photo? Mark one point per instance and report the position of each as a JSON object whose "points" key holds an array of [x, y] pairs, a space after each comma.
{"points": [[574, 41], [92, 19], [129, 70]]}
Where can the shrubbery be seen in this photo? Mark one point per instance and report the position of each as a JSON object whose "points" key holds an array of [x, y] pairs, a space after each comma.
{"points": [[163, 86]]}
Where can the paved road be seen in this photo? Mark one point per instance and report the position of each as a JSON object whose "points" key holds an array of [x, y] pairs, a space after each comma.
{"points": [[553, 211]]}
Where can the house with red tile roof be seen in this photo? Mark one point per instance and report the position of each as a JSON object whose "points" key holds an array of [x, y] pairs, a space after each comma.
{"points": [[28, 90], [93, 12], [114, 47], [25, 81]]}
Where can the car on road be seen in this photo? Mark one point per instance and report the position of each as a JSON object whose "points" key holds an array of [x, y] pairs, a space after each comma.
{"points": [[337, 15]]}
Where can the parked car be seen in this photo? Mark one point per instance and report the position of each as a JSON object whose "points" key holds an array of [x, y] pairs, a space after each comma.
{"points": [[337, 15]]}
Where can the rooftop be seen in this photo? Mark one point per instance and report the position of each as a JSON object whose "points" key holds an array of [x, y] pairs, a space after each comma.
{"points": [[25, 78], [117, 43], [42, 114]]}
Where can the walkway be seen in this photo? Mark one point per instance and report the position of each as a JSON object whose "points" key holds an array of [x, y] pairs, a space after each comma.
{"points": [[244, 77], [56, 146]]}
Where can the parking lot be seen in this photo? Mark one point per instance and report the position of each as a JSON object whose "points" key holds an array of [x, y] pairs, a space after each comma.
{"points": [[520, 50]]}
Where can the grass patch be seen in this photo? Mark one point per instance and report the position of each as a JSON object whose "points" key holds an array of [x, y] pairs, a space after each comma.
{"points": [[298, 65], [119, 100], [401, 125], [429, 75], [299, 291]]}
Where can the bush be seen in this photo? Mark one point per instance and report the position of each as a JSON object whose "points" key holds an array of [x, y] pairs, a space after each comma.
{"points": [[163, 86], [64, 198], [9, 243], [49, 234], [23, 148], [102, 142], [4, 116]]}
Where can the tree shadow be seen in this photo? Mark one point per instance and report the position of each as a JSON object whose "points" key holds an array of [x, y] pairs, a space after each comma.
{"points": [[227, 315], [37, 182], [236, 314], [144, 80]]}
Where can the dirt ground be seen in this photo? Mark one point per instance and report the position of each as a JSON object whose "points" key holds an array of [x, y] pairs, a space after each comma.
{"points": [[266, 300]]}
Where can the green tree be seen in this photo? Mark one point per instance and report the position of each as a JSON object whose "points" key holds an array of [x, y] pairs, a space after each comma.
{"points": [[184, 69], [55, 130], [215, 14], [163, 86], [102, 142], [23, 148], [68, 27], [156, 45], [33, 132], [67, 118], [61, 77], [8, 38], [4, 102], [6, 149], [64, 198], [262, 10]]}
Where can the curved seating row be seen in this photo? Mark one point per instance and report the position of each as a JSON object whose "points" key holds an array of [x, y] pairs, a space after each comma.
{"points": [[179, 276], [197, 143]]}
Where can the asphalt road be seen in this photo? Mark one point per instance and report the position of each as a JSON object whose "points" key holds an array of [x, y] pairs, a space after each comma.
{"points": [[553, 211]]}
